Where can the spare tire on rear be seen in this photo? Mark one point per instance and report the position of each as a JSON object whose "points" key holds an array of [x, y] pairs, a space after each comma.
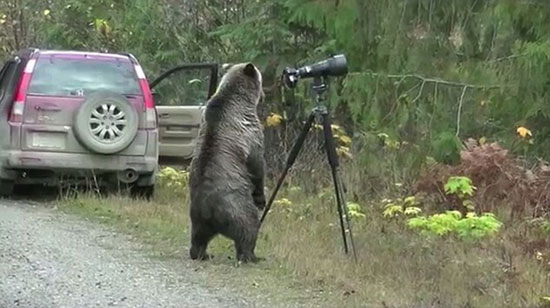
{"points": [[106, 123]]}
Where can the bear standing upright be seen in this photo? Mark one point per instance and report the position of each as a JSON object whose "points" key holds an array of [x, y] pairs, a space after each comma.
{"points": [[226, 181]]}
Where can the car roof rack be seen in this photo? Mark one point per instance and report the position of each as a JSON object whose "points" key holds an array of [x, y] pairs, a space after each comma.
{"points": [[129, 55], [27, 52]]}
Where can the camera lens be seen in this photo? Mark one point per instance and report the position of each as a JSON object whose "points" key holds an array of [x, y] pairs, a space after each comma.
{"points": [[338, 65], [334, 66], [290, 77]]}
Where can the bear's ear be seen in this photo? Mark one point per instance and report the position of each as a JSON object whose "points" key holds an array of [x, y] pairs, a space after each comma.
{"points": [[250, 70], [226, 66]]}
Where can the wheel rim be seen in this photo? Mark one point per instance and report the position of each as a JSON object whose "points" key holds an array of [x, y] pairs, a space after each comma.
{"points": [[108, 123]]}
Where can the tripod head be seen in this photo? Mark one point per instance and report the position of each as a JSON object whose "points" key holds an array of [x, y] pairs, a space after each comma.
{"points": [[320, 86]]}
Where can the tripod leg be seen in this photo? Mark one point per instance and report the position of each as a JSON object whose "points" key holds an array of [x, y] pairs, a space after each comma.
{"points": [[340, 195], [290, 160]]}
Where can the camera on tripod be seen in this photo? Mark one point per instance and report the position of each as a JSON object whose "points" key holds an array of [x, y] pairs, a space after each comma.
{"points": [[333, 66]]}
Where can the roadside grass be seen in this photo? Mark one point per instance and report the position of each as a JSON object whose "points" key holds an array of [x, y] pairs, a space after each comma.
{"points": [[163, 225], [399, 268], [301, 240]]}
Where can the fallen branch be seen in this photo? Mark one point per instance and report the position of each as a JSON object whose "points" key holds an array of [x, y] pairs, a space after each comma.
{"points": [[419, 93], [459, 113], [510, 57], [433, 80]]}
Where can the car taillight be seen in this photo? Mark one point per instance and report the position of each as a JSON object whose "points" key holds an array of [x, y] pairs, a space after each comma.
{"points": [[150, 111], [19, 103]]}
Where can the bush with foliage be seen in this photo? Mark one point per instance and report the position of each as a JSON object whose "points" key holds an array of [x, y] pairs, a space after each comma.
{"points": [[171, 178], [465, 226], [501, 179], [452, 222], [408, 206], [355, 211]]}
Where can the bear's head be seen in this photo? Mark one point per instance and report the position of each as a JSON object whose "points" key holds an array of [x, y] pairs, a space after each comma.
{"points": [[242, 79]]}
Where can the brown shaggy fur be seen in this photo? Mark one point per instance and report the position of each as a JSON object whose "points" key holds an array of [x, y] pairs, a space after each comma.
{"points": [[227, 171]]}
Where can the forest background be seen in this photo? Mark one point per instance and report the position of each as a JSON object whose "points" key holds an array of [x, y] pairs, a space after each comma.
{"points": [[444, 112]]}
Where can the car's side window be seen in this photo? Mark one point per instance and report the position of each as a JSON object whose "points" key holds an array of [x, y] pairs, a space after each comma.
{"points": [[3, 74], [189, 87], [5, 78]]}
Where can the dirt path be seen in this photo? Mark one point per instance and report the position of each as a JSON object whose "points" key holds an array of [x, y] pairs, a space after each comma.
{"points": [[49, 259]]}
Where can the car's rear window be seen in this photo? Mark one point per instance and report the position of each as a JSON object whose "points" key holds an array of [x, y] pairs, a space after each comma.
{"points": [[80, 77]]}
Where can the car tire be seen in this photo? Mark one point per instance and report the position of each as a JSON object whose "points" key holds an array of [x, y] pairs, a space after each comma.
{"points": [[106, 123], [6, 188]]}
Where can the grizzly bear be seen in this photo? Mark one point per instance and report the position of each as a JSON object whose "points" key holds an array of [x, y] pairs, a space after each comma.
{"points": [[226, 181]]}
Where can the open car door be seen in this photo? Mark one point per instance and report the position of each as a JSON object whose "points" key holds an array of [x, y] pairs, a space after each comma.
{"points": [[181, 94]]}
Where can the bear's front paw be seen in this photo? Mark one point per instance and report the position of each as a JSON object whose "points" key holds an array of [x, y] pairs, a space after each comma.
{"points": [[259, 201]]}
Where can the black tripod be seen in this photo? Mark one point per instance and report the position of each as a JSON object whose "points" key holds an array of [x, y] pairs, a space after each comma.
{"points": [[321, 111]]}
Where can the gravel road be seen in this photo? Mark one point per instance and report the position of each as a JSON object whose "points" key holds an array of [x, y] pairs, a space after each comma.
{"points": [[50, 259]]}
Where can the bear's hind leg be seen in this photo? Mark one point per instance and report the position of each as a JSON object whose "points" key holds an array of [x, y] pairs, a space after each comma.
{"points": [[245, 243], [200, 236]]}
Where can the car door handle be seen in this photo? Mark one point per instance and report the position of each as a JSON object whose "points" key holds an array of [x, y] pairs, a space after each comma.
{"points": [[164, 115], [39, 108]]}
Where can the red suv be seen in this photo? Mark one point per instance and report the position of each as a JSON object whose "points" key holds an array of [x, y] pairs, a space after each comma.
{"points": [[77, 115]]}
